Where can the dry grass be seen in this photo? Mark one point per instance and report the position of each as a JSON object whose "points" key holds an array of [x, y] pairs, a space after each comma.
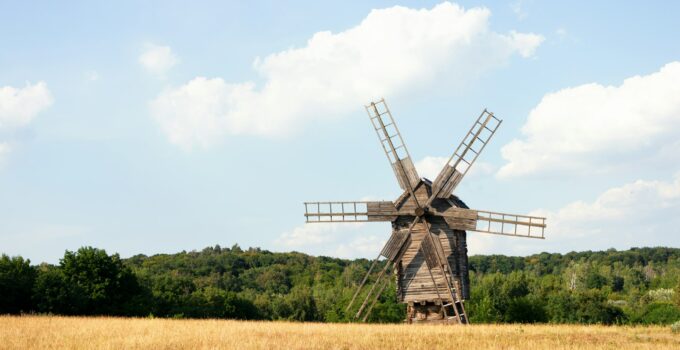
{"points": [[42, 332]]}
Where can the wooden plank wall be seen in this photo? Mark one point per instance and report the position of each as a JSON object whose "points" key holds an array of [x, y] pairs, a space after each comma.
{"points": [[414, 281]]}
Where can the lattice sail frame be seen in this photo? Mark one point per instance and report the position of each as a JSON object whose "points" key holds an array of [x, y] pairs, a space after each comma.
{"points": [[510, 224], [392, 144], [457, 218], [358, 211], [465, 154]]}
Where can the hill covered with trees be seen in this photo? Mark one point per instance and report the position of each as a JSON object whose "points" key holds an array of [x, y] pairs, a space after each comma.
{"points": [[640, 285]]}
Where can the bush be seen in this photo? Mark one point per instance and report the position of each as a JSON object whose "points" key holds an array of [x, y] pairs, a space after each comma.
{"points": [[593, 308], [659, 313], [525, 310], [675, 327], [660, 295]]}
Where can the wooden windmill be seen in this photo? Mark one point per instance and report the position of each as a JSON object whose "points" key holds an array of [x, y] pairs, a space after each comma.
{"points": [[427, 250]]}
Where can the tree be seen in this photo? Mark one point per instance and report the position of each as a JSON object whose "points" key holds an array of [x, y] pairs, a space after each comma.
{"points": [[592, 307], [525, 310], [676, 297], [595, 281], [561, 307], [617, 283], [578, 287], [16, 283], [481, 310], [302, 304], [107, 286], [55, 295], [659, 313], [388, 310], [213, 302]]}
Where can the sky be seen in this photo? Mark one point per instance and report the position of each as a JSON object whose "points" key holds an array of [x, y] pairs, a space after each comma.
{"points": [[146, 127]]}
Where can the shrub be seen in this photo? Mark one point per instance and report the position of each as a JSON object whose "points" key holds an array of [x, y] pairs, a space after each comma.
{"points": [[659, 313], [675, 327]]}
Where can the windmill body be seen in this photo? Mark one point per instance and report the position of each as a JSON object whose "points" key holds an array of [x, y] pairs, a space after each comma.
{"points": [[427, 250], [417, 286]]}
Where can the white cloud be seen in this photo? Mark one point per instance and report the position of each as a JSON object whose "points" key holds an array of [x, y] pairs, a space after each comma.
{"points": [[517, 8], [430, 166], [641, 213], [525, 43], [391, 51], [599, 127], [313, 234], [360, 247], [18, 106], [637, 214], [345, 240], [158, 59]]}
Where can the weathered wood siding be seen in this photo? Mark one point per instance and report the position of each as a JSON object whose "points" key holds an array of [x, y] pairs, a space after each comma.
{"points": [[414, 281]]}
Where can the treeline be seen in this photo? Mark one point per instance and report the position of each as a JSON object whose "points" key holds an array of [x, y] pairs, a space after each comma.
{"points": [[637, 286]]}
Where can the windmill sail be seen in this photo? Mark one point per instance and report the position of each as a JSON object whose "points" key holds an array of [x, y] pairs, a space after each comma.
{"points": [[465, 154], [510, 224], [366, 211], [392, 144], [495, 223], [395, 244]]}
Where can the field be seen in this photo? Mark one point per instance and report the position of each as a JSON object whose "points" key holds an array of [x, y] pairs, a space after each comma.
{"points": [[43, 332]]}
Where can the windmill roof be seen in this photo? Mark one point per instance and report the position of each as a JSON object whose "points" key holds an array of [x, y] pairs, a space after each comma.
{"points": [[457, 201]]}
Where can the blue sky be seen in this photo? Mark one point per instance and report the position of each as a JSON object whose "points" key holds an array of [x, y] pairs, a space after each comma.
{"points": [[149, 127]]}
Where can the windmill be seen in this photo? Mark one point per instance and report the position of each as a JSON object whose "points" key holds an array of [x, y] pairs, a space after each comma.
{"points": [[427, 250]]}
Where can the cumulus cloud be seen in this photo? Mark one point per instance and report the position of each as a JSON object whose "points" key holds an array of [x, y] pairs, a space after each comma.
{"points": [[430, 166], [313, 234], [641, 213], [638, 214], [360, 247], [599, 127], [518, 8], [18, 106], [158, 59], [345, 240], [391, 51], [524, 43]]}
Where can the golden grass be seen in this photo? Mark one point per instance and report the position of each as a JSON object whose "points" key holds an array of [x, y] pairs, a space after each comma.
{"points": [[44, 332]]}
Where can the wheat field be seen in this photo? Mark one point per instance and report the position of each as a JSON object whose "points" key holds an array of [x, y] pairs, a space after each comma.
{"points": [[46, 332]]}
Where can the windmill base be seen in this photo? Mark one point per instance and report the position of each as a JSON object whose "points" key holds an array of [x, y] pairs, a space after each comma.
{"points": [[427, 313]]}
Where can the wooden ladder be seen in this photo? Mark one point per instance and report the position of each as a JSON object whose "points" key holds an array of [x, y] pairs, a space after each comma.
{"points": [[434, 259]]}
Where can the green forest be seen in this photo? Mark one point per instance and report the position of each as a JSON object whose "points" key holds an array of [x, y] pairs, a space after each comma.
{"points": [[636, 286]]}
